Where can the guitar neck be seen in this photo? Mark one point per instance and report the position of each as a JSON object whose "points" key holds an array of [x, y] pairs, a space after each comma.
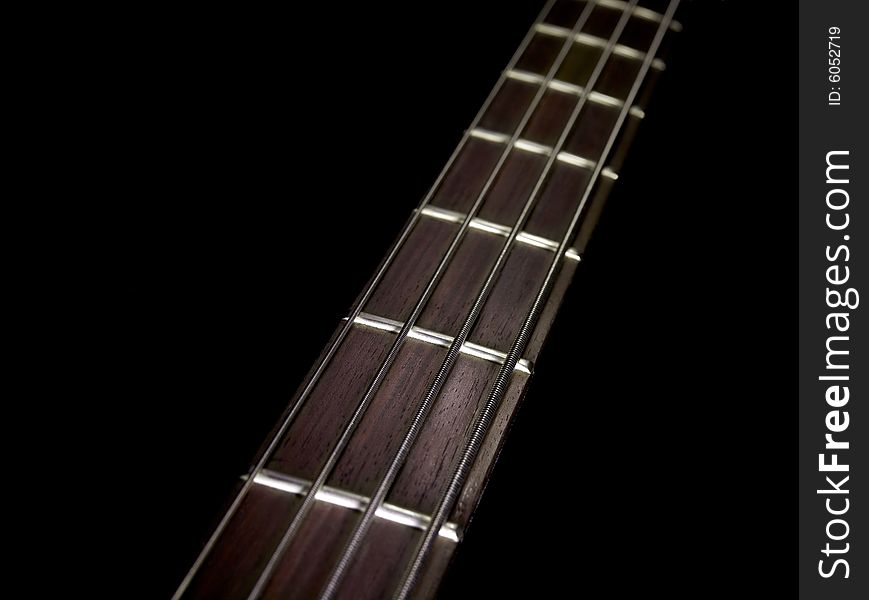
{"points": [[368, 481]]}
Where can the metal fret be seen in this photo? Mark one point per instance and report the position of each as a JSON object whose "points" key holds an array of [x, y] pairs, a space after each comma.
{"points": [[502, 230], [362, 405], [484, 419], [339, 497], [435, 387], [440, 339], [422, 412], [640, 11], [570, 88], [534, 147], [375, 505], [330, 352], [598, 42], [578, 161]]}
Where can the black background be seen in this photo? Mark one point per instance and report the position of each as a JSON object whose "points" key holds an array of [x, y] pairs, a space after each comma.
{"points": [[256, 166]]}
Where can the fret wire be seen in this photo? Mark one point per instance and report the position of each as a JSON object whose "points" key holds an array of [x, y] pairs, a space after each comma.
{"points": [[483, 422], [441, 339], [349, 429], [422, 411], [333, 348], [503, 230], [597, 42], [338, 497], [534, 147]]}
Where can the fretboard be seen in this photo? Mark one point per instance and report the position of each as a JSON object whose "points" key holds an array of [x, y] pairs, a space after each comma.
{"points": [[367, 483]]}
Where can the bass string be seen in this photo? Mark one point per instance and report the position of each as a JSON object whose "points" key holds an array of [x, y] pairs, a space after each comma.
{"points": [[421, 414], [293, 411], [361, 408], [482, 423]]}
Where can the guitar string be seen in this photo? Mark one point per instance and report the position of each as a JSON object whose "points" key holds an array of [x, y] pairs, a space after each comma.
{"points": [[482, 423], [385, 485], [293, 411], [362, 406], [423, 410]]}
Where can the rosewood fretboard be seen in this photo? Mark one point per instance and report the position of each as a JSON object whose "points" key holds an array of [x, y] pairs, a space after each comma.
{"points": [[489, 253]]}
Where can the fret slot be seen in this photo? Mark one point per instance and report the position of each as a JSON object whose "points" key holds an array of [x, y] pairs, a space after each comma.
{"points": [[467, 175]]}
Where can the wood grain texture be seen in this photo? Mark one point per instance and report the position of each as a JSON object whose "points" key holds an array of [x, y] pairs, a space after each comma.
{"points": [[510, 190], [373, 574], [454, 296], [550, 309], [232, 567], [406, 278], [547, 123], [376, 569], [313, 433], [467, 175], [592, 130], [304, 568], [558, 201], [388, 418], [507, 107], [436, 452], [476, 481], [511, 297]]}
